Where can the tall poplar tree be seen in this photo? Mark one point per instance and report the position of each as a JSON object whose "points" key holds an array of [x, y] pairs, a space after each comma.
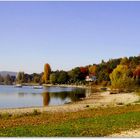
{"points": [[47, 72]]}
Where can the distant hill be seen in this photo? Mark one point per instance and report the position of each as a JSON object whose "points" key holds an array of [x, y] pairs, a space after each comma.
{"points": [[4, 73]]}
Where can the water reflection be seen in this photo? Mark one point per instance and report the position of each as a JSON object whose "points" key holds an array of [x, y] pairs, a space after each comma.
{"points": [[21, 94], [11, 97], [46, 98], [56, 98]]}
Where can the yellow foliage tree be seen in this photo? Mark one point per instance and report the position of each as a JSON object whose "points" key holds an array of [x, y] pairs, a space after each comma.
{"points": [[124, 61], [47, 72], [92, 70], [120, 78]]}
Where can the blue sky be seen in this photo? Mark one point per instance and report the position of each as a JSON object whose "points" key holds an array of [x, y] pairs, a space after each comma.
{"points": [[66, 34]]}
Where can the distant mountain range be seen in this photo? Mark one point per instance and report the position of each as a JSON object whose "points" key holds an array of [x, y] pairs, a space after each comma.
{"points": [[11, 73]]}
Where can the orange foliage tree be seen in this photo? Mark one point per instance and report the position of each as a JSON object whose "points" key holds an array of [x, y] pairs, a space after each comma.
{"points": [[137, 72], [83, 72], [92, 70], [47, 72]]}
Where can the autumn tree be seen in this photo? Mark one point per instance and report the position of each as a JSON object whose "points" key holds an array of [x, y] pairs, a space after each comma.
{"points": [[137, 75], [134, 61], [47, 72], [137, 72], [83, 73], [92, 70], [124, 61], [120, 78]]}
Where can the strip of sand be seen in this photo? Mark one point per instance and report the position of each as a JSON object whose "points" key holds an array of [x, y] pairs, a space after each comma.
{"points": [[126, 134]]}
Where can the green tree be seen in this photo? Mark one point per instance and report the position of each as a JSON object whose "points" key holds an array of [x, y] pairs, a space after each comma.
{"points": [[36, 78], [13, 78], [103, 75], [7, 80], [20, 77], [53, 78], [62, 77], [1, 79], [112, 64], [26, 78], [74, 74]]}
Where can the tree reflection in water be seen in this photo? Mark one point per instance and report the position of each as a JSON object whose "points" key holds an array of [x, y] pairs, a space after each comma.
{"points": [[46, 98], [74, 95], [77, 94]]}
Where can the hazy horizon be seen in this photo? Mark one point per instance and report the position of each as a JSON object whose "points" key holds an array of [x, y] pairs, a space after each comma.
{"points": [[66, 34]]}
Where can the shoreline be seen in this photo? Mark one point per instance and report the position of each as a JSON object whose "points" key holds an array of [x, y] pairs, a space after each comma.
{"points": [[98, 87], [98, 99], [66, 86]]}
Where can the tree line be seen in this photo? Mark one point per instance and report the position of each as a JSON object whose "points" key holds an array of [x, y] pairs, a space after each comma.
{"points": [[7, 80], [119, 73]]}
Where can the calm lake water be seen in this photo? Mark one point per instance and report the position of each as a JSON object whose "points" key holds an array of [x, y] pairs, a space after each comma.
{"points": [[11, 97]]}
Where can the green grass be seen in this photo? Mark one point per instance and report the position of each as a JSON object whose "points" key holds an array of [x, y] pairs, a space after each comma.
{"points": [[93, 126]]}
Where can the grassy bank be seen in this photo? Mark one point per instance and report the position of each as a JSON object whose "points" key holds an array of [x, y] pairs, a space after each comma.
{"points": [[92, 122]]}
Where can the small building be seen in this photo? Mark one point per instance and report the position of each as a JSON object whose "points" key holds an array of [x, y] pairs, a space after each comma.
{"points": [[91, 78]]}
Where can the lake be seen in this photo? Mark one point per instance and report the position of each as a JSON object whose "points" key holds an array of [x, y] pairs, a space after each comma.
{"points": [[27, 96]]}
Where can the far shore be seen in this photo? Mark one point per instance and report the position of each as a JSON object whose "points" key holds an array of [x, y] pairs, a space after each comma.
{"points": [[97, 87], [65, 85], [98, 99]]}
